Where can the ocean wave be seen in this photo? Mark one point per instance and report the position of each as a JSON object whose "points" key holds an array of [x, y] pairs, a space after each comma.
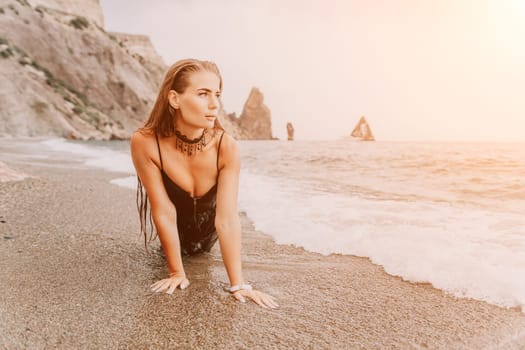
{"points": [[325, 160], [463, 250], [94, 155], [8, 174]]}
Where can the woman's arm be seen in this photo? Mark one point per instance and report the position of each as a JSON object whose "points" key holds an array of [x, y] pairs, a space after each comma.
{"points": [[143, 148], [228, 225], [227, 219]]}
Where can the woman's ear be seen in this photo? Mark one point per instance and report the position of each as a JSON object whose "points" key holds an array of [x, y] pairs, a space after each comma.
{"points": [[173, 99]]}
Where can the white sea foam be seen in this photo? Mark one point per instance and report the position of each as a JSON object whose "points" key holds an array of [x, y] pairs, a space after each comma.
{"points": [[464, 251], [94, 156], [9, 174], [99, 157], [127, 182]]}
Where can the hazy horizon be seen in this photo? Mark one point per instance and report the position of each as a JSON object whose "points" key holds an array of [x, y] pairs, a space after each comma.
{"points": [[418, 71]]}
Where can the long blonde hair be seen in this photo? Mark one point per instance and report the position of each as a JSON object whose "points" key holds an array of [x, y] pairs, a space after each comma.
{"points": [[161, 121], [162, 117]]}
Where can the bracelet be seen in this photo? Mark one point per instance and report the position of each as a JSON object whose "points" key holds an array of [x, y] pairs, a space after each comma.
{"points": [[238, 287]]}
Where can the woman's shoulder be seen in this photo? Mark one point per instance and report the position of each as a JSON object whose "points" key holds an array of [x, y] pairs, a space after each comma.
{"points": [[227, 143], [142, 140], [142, 136], [229, 149]]}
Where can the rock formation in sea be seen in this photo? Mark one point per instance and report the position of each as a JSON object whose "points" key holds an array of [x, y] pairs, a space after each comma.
{"points": [[255, 121], [290, 131], [362, 131], [64, 75]]}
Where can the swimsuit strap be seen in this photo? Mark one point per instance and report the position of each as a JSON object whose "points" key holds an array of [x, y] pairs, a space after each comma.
{"points": [[160, 155], [218, 151]]}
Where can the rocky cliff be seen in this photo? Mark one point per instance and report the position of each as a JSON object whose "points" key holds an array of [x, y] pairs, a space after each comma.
{"points": [[89, 9], [140, 48], [255, 121], [64, 75]]}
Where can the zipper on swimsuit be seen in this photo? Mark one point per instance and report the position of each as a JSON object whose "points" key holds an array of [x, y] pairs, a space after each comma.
{"points": [[195, 211]]}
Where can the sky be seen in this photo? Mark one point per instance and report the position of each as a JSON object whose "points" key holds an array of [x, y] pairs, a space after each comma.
{"points": [[418, 70]]}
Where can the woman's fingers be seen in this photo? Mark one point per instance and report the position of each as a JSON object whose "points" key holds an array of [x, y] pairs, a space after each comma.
{"points": [[258, 300], [156, 284], [254, 295], [172, 287], [269, 301], [160, 285], [262, 299], [170, 284]]}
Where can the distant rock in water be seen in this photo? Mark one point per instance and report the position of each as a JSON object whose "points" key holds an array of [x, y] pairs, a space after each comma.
{"points": [[290, 131], [362, 130], [255, 121]]}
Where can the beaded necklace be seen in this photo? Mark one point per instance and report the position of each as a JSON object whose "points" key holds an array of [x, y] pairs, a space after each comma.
{"points": [[190, 146]]}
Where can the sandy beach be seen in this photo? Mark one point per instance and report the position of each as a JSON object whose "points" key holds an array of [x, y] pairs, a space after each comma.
{"points": [[74, 274]]}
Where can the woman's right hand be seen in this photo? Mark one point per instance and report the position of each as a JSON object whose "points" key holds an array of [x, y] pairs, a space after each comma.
{"points": [[171, 283]]}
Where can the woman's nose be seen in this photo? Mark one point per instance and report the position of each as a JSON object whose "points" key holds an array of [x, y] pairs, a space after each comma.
{"points": [[214, 102]]}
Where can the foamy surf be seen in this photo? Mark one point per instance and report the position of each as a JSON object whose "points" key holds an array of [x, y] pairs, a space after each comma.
{"points": [[9, 174], [127, 182], [463, 251], [94, 156]]}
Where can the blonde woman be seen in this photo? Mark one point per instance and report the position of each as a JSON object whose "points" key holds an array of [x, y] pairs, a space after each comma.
{"points": [[189, 169]]}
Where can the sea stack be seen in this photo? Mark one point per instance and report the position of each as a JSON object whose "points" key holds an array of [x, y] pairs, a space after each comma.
{"points": [[289, 130], [255, 122], [255, 119], [362, 131]]}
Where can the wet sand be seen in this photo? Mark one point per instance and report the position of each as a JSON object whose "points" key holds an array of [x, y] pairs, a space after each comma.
{"points": [[74, 274]]}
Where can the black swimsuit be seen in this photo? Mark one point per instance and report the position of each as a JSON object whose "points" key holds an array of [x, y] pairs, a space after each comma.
{"points": [[195, 215]]}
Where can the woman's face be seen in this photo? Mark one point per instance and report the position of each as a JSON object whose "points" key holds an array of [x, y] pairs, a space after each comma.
{"points": [[199, 104]]}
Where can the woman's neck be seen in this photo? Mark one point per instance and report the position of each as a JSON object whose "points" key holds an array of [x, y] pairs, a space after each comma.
{"points": [[189, 131]]}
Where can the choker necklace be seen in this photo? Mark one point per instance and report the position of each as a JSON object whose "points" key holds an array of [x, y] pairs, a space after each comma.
{"points": [[190, 146]]}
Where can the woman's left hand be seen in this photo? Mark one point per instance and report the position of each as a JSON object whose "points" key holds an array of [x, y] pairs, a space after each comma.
{"points": [[264, 300]]}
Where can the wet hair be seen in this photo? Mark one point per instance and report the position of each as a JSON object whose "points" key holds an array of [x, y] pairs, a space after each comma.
{"points": [[161, 122], [162, 117]]}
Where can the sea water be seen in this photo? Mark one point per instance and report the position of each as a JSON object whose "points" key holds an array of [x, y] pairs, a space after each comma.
{"points": [[451, 214]]}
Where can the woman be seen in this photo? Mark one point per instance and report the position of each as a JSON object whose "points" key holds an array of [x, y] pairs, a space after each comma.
{"points": [[189, 169]]}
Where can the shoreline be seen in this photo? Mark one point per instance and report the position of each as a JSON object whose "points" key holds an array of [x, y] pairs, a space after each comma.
{"points": [[75, 275]]}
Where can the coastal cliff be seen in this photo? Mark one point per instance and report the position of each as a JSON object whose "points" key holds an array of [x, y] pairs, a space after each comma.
{"points": [[254, 123], [89, 9], [64, 75]]}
